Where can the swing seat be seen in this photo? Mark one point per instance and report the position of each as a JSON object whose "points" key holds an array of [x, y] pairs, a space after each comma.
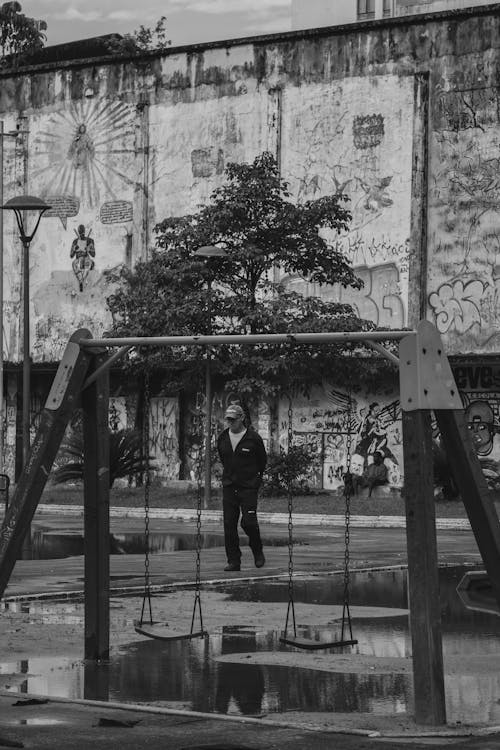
{"points": [[162, 632], [309, 645]]}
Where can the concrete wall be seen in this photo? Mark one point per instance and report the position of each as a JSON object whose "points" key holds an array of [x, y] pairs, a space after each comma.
{"points": [[402, 116]]}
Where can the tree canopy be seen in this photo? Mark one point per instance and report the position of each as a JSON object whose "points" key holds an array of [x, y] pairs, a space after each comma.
{"points": [[142, 39], [252, 218], [20, 35]]}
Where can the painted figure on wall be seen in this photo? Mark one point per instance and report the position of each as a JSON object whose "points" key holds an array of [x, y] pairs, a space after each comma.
{"points": [[481, 424], [81, 148], [82, 252], [373, 434]]}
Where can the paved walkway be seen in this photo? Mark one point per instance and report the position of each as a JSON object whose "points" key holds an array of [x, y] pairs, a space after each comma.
{"points": [[319, 548], [215, 516]]}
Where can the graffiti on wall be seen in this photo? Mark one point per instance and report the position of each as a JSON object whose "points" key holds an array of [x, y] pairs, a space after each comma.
{"points": [[338, 141], [82, 146], [163, 432], [479, 386], [347, 429], [82, 255], [379, 299], [117, 419], [464, 220]]}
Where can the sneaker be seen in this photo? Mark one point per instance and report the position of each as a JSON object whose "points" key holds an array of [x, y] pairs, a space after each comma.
{"points": [[260, 560], [232, 567]]}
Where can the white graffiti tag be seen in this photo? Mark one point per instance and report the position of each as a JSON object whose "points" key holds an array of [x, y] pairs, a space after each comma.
{"points": [[456, 306]]}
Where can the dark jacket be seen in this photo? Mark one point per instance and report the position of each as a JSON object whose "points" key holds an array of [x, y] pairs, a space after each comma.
{"points": [[244, 466]]}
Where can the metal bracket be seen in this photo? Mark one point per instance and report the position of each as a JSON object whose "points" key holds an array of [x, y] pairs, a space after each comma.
{"points": [[425, 377], [62, 377]]}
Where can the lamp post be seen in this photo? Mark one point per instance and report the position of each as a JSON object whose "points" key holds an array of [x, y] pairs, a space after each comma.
{"points": [[19, 205], [3, 134], [208, 253]]}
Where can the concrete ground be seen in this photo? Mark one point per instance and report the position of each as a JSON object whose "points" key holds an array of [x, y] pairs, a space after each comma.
{"points": [[318, 547], [58, 724]]}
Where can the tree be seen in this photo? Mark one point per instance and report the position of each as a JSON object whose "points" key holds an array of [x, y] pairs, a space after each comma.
{"points": [[20, 35], [143, 39], [252, 218]]}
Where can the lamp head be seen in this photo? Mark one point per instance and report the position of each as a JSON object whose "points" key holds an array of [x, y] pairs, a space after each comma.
{"points": [[210, 251], [22, 203], [26, 203]]}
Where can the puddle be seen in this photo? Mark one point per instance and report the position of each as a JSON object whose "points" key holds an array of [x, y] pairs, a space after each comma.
{"points": [[36, 722], [53, 545], [367, 589], [186, 674]]}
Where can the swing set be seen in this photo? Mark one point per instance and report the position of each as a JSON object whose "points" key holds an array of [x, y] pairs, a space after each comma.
{"points": [[426, 383]]}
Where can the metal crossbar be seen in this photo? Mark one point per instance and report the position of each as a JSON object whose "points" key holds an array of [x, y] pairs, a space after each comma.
{"points": [[251, 338], [370, 338]]}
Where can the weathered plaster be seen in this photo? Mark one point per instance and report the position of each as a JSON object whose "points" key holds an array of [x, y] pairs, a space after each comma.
{"points": [[356, 138]]}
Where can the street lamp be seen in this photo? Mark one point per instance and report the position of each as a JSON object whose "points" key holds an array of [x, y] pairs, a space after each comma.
{"points": [[3, 134], [19, 205], [208, 253]]}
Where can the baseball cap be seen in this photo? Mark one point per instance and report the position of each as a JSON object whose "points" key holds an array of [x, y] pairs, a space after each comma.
{"points": [[235, 411]]}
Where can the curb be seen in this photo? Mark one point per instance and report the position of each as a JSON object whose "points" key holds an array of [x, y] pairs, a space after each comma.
{"points": [[269, 723], [215, 516]]}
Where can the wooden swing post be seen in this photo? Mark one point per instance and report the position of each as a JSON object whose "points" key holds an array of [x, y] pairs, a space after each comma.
{"points": [[426, 383], [95, 407]]}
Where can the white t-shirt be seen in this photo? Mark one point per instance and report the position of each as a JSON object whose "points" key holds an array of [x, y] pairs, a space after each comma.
{"points": [[235, 438]]}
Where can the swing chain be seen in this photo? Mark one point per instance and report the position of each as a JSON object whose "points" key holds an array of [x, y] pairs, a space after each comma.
{"points": [[291, 606], [199, 488], [348, 499], [199, 494], [348, 489], [147, 485]]}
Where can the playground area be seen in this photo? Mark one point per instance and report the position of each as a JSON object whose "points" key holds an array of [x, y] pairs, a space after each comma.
{"points": [[360, 662]]}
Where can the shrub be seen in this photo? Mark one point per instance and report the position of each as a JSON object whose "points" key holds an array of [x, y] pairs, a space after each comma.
{"points": [[125, 457], [294, 467]]}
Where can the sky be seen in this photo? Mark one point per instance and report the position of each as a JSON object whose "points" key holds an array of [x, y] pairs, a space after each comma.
{"points": [[188, 21]]}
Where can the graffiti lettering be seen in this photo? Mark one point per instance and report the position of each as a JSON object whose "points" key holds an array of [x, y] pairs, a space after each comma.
{"points": [[380, 298], [477, 377], [456, 305]]}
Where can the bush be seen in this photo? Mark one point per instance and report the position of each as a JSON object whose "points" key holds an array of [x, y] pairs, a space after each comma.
{"points": [[125, 457], [294, 467]]}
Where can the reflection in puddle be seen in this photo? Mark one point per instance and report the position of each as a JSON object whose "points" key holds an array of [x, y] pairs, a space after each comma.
{"points": [[53, 545], [188, 674], [37, 722]]}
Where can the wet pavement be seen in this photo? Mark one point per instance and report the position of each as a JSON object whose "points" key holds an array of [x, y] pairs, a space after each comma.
{"points": [[202, 674], [58, 724], [62, 725], [320, 549]]}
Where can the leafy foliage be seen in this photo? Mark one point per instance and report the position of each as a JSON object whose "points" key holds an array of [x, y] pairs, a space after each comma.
{"points": [[125, 457], [141, 40], [293, 468], [177, 292], [20, 35]]}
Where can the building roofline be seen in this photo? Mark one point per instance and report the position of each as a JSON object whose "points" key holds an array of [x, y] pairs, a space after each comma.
{"points": [[258, 40]]}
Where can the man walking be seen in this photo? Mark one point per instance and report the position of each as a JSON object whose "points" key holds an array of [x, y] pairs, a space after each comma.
{"points": [[243, 457]]}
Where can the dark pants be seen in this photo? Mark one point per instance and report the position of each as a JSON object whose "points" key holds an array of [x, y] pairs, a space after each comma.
{"points": [[236, 500]]}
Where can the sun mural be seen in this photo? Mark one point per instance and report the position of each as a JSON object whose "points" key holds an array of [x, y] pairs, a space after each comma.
{"points": [[87, 146]]}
